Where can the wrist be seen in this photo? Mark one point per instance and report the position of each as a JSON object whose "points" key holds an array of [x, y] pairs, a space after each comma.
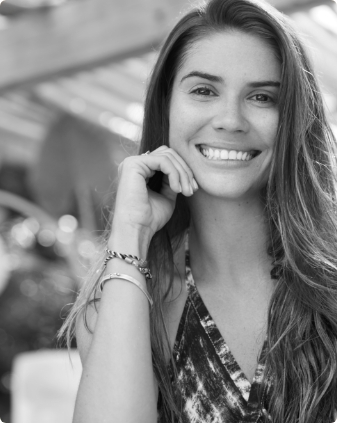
{"points": [[130, 239]]}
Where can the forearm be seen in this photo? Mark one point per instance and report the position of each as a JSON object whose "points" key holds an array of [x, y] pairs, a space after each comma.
{"points": [[117, 384]]}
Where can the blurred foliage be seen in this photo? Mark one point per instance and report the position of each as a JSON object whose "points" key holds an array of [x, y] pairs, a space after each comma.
{"points": [[76, 170], [72, 182]]}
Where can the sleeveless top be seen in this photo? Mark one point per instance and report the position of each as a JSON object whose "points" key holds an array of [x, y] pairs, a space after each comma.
{"points": [[210, 386]]}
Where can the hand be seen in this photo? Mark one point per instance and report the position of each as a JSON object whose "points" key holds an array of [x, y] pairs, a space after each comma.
{"points": [[142, 208]]}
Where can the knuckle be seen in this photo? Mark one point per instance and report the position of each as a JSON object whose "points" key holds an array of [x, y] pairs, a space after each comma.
{"points": [[127, 160], [170, 150], [167, 161], [163, 147]]}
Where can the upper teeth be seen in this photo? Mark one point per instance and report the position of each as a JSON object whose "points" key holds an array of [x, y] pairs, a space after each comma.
{"points": [[215, 154]]}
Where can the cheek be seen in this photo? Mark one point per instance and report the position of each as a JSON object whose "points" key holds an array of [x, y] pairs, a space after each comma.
{"points": [[178, 127], [268, 128]]}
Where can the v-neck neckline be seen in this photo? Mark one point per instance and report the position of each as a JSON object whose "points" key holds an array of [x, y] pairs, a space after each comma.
{"points": [[246, 388]]}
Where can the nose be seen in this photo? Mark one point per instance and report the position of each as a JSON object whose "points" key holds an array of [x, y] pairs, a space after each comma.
{"points": [[229, 116]]}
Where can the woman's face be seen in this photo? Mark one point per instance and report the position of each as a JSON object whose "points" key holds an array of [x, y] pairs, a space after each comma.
{"points": [[224, 113]]}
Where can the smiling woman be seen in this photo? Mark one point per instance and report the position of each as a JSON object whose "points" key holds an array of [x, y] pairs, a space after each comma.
{"points": [[224, 107], [233, 206]]}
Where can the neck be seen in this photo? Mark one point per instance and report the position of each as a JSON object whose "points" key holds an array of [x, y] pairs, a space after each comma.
{"points": [[228, 241]]}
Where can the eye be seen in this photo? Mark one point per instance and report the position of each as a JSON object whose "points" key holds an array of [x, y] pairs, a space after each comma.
{"points": [[203, 91], [263, 98]]}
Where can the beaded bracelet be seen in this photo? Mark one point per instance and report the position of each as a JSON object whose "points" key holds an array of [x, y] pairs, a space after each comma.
{"points": [[126, 278], [130, 259]]}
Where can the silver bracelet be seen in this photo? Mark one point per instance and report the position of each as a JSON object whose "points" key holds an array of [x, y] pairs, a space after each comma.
{"points": [[126, 278]]}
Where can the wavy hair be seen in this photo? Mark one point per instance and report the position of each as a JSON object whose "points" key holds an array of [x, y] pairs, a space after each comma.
{"points": [[300, 206]]}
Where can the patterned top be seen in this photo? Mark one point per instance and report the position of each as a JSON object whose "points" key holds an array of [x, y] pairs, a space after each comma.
{"points": [[210, 386]]}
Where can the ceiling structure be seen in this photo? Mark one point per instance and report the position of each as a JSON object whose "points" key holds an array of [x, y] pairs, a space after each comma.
{"points": [[92, 58]]}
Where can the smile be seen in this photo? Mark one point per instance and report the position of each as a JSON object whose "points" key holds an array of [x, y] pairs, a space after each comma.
{"points": [[223, 154]]}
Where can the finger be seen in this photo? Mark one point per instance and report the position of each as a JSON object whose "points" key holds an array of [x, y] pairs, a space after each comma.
{"points": [[159, 160], [185, 167], [185, 182], [188, 182], [148, 164], [177, 177]]}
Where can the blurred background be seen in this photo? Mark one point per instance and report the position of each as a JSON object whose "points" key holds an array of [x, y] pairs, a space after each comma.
{"points": [[72, 81]]}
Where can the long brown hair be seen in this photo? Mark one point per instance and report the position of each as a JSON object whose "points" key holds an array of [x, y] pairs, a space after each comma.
{"points": [[300, 206]]}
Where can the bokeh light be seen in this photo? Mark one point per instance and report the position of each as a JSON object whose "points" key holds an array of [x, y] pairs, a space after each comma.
{"points": [[23, 235], [46, 238], [68, 223]]}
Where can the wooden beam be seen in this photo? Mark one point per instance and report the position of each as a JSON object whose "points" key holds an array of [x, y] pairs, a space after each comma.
{"points": [[84, 33], [80, 34]]}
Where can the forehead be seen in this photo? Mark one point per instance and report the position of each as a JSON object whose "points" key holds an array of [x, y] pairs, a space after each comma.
{"points": [[232, 52]]}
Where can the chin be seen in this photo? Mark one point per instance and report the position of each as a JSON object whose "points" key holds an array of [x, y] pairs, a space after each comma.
{"points": [[235, 195]]}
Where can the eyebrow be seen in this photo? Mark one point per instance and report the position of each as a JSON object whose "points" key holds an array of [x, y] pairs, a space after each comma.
{"points": [[215, 78], [212, 78], [264, 84]]}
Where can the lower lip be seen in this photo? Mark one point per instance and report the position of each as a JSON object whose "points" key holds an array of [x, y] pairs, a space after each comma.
{"points": [[239, 163]]}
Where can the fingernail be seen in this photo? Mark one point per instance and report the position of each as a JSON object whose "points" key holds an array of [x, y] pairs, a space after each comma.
{"points": [[195, 184], [191, 189], [180, 189]]}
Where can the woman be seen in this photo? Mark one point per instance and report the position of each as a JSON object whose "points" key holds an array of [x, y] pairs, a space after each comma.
{"points": [[237, 166]]}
